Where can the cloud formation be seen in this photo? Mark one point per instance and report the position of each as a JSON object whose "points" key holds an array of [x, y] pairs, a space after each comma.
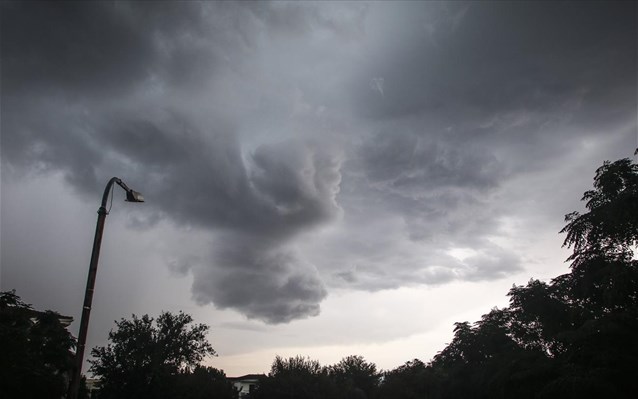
{"points": [[349, 145], [63, 113]]}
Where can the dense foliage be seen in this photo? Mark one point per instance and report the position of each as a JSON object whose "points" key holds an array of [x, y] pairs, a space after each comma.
{"points": [[36, 357], [574, 337], [202, 383], [302, 378], [160, 358]]}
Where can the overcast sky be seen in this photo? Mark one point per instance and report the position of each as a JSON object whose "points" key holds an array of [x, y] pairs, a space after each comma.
{"points": [[322, 179]]}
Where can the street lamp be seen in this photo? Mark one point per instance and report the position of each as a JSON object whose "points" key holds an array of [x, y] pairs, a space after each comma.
{"points": [[131, 196]]}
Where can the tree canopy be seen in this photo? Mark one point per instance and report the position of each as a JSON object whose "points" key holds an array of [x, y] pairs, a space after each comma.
{"points": [[304, 378], [355, 377], [145, 358], [610, 227], [36, 351], [574, 337]]}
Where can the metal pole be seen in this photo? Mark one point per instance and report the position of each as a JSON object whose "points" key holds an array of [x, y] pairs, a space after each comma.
{"points": [[88, 295]]}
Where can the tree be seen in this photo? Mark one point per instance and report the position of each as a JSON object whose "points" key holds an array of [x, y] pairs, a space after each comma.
{"points": [[602, 289], [204, 383], [36, 351], [295, 378], [483, 361], [610, 227], [355, 377], [573, 337], [411, 380], [145, 357]]}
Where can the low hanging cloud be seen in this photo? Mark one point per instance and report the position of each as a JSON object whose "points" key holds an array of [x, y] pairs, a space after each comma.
{"points": [[262, 281], [293, 187], [259, 206]]}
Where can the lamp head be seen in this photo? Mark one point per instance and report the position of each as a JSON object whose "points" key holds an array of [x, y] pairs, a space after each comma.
{"points": [[134, 196]]}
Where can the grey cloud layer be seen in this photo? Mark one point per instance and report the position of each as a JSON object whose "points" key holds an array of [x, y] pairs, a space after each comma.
{"points": [[270, 284], [260, 121], [474, 95], [496, 57], [63, 75]]}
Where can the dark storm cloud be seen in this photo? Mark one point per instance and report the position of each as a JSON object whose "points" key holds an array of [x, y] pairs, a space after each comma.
{"points": [[102, 49], [422, 162], [54, 52], [497, 56], [202, 180], [270, 284], [475, 92], [64, 64], [440, 184], [507, 75], [71, 47], [462, 98], [299, 180], [62, 61], [224, 115], [286, 188]]}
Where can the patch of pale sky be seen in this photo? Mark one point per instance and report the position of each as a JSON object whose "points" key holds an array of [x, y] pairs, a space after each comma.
{"points": [[409, 323]]}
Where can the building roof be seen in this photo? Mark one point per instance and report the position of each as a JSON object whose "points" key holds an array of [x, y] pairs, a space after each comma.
{"points": [[248, 377], [64, 320]]}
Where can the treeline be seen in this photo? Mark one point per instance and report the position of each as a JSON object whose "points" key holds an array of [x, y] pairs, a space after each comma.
{"points": [[146, 358], [573, 337]]}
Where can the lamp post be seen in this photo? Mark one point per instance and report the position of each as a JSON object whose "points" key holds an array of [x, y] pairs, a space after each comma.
{"points": [[131, 196]]}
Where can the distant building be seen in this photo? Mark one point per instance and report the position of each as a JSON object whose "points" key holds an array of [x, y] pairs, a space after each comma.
{"points": [[246, 383], [92, 385], [65, 321]]}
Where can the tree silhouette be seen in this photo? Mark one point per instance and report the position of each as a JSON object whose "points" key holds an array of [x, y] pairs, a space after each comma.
{"points": [[295, 378], [145, 357], [610, 227], [35, 351], [411, 380], [574, 337], [354, 377], [203, 383]]}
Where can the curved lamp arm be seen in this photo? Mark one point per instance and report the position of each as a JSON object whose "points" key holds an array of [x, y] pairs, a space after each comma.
{"points": [[131, 195]]}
